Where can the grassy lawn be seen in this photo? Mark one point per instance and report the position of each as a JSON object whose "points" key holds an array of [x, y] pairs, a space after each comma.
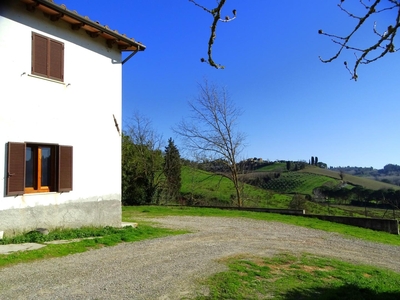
{"points": [[101, 237], [306, 277]]}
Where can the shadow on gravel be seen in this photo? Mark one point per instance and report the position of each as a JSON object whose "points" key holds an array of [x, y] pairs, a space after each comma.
{"points": [[345, 292]]}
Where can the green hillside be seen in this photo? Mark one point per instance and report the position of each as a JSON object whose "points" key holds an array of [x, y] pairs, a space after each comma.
{"points": [[275, 167], [209, 188], [305, 180], [206, 188], [205, 185], [296, 182], [354, 180]]}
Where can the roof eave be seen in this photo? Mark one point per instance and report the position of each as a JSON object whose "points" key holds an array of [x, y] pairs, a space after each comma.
{"points": [[124, 43]]}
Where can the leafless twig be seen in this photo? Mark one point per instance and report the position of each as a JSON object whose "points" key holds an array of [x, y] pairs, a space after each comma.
{"points": [[384, 42], [216, 13]]}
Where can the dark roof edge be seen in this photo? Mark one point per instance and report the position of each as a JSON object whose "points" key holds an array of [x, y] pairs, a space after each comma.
{"points": [[63, 10]]}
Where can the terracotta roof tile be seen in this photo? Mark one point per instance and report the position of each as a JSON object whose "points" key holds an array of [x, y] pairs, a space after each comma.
{"points": [[93, 28]]}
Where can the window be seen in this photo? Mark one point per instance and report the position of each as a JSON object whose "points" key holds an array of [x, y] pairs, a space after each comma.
{"points": [[38, 168], [47, 57]]}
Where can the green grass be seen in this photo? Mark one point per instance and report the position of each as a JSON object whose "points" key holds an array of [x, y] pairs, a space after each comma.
{"points": [[209, 188], [103, 237], [60, 234], [354, 180], [205, 185], [206, 188], [276, 167], [305, 277], [371, 212], [298, 182], [332, 210], [135, 213]]}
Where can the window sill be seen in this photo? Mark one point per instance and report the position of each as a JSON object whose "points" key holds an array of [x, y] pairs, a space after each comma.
{"points": [[39, 193], [48, 79]]}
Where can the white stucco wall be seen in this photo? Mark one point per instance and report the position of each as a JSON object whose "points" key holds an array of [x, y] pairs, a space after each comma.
{"points": [[77, 113]]}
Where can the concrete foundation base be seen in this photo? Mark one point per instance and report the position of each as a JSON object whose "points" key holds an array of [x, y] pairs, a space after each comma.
{"points": [[68, 215]]}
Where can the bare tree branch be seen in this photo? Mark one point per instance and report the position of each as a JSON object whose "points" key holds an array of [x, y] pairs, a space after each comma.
{"points": [[368, 54], [216, 13]]}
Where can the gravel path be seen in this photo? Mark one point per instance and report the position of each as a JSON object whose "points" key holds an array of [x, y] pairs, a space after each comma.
{"points": [[168, 268]]}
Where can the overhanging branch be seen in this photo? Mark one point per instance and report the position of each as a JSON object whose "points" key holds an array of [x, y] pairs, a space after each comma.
{"points": [[384, 42], [216, 14]]}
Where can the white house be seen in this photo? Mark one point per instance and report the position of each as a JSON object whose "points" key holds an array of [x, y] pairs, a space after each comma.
{"points": [[60, 110]]}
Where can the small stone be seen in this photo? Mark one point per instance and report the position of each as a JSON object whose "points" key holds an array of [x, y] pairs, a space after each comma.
{"points": [[43, 231]]}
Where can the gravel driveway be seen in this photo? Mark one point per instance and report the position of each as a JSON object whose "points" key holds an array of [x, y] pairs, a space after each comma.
{"points": [[169, 267]]}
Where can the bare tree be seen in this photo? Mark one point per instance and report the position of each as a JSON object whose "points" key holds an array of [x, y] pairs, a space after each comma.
{"points": [[216, 14], [211, 131], [384, 37]]}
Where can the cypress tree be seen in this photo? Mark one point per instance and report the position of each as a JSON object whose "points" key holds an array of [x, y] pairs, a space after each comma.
{"points": [[172, 170]]}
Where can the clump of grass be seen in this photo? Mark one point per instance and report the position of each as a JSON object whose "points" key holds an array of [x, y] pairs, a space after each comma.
{"points": [[107, 236], [60, 234], [305, 277]]}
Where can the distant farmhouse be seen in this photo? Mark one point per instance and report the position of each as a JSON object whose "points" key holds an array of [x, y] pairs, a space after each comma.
{"points": [[60, 112]]}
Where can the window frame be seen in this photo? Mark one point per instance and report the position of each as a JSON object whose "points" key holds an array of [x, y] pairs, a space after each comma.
{"points": [[37, 169], [61, 173], [47, 57]]}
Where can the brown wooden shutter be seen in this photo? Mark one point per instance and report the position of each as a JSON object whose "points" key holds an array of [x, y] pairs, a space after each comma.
{"points": [[65, 168], [56, 60], [39, 54], [15, 169]]}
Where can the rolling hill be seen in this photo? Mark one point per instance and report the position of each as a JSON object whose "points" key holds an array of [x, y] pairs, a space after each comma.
{"points": [[206, 188], [200, 187], [351, 179]]}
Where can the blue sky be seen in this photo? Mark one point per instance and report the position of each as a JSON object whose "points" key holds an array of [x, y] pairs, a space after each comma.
{"points": [[294, 106]]}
